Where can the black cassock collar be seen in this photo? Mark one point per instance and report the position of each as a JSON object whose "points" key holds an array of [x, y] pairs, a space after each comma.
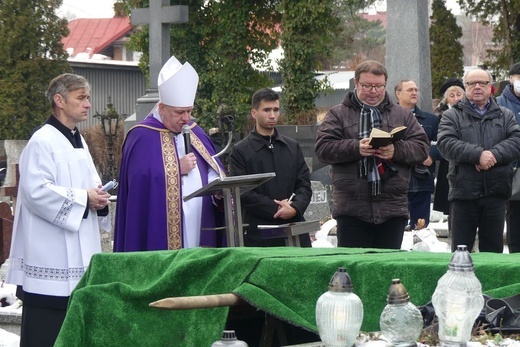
{"points": [[72, 135]]}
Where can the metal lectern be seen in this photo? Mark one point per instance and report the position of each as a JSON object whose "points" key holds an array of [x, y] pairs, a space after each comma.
{"points": [[232, 187]]}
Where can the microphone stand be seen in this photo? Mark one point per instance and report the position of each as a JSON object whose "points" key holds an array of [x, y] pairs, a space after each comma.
{"points": [[226, 193], [228, 121]]}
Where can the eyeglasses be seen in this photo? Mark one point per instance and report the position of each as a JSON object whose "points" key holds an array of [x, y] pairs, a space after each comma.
{"points": [[480, 83], [369, 87]]}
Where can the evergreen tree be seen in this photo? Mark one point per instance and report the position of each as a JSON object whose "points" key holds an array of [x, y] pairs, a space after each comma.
{"points": [[221, 40], [446, 52], [357, 39], [308, 30], [504, 16], [31, 54]]}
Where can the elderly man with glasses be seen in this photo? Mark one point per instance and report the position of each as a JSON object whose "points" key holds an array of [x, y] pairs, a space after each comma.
{"points": [[480, 139], [422, 182], [370, 184]]}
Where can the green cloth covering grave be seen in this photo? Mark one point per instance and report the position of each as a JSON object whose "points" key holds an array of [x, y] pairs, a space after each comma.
{"points": [[110, 304]]}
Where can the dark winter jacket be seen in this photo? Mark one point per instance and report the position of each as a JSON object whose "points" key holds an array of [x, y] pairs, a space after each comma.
{"points": [[283, 156], [509, 100], [337, 143], [463, 135], [422, 178]]}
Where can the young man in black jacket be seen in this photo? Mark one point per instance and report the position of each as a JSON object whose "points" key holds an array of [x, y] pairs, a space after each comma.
{"points": [[284, 198]]}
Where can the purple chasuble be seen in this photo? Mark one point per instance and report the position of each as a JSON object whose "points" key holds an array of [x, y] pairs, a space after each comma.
{"points": [[149, 199]]}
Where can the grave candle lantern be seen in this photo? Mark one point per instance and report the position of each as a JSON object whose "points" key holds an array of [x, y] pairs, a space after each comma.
{"points": [[339, 312], [401, 321], [458, 299]]}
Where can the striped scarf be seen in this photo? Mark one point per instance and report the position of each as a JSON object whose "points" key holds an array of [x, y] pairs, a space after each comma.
{"points": [[369, 118]]}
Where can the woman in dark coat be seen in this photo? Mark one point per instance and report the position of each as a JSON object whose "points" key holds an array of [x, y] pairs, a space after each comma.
{"points": [[452, 91]]}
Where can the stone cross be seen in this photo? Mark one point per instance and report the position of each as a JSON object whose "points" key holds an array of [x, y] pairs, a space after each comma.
{"points": [[158, 16], [408, 54]]}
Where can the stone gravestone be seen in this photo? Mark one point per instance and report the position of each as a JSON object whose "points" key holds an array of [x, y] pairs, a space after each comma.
{"points": [[8, 193], [158, 16], [2, 150], [6, 231], [323, 176], [408, 55], [306, 137], [319, 208], [9, 321], [106, 236], [13, 149]]}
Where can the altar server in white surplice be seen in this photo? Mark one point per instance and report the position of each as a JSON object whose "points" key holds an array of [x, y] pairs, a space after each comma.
{"points": [[56, 227]]}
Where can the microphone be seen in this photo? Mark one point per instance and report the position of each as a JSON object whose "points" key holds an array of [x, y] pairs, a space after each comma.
{"points": [[227, 121], [186, 131]]}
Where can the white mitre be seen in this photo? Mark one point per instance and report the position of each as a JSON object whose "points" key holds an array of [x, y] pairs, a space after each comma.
{"points": [[177, 83]]}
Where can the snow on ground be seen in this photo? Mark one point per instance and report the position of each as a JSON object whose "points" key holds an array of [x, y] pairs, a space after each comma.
{"points": [[326, 236], [364, 341], [8, 339], [8, 291], [435, 238]]}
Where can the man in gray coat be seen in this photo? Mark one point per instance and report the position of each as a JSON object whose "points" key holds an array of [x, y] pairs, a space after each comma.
{"points": [[480, 139]]}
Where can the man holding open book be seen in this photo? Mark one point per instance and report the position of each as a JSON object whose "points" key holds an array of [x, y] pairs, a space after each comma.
{"points": [[370, 184]]}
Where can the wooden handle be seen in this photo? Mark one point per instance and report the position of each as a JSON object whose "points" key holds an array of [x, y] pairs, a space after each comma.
{"points": [[193, 302]]}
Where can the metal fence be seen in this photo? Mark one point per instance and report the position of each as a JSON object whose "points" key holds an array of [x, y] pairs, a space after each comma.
{"points": [[332, 98], [123, 82]]}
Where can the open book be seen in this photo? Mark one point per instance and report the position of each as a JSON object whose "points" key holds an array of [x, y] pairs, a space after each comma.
{"points": [[381, 138]]}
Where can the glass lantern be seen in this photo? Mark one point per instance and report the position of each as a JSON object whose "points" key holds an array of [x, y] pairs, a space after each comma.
{"points": [[229, 339], [401, 322], [339, 312], [458, 300]]}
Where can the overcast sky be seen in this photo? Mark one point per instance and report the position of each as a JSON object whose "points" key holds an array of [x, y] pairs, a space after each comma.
{"points": [[87, 8], [104, 8], [450, 5]]}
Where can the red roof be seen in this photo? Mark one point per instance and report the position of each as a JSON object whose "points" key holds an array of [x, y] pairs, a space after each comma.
{"points": [[95, 33], [379, 16]]}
